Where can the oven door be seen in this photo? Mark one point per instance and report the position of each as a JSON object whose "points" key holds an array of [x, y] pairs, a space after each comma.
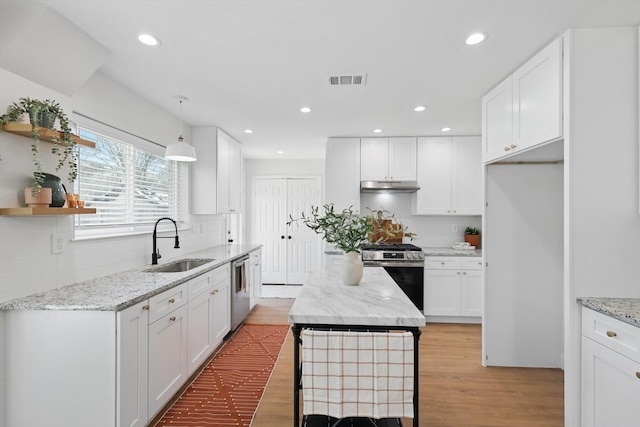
{"points": [[409, 277]]}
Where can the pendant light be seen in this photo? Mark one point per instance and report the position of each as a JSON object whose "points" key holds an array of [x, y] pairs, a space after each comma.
{"points": [[180, 151]]}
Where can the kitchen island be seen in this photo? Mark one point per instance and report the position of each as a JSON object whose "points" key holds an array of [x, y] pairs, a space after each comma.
{"points": [[376, 305]]}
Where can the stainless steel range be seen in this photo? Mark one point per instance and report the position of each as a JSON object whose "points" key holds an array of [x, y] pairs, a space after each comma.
{"points": [[404, 263]]}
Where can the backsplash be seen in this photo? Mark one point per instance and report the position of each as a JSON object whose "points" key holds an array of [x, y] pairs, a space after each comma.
{"points": [[28, 266], [432, 231]]}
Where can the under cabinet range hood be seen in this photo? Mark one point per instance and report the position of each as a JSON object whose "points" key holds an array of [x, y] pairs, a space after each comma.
{"points": [[389, 186]]}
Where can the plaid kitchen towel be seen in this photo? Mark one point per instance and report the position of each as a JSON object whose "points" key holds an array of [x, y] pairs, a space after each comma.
{"points": [[357, 374]]}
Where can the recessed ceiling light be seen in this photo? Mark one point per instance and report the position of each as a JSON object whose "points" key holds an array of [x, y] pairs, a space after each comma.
{"points": [[420, 108], [377, 130], [148, 39], [248, 131], [305, 109], [476, 38], [445, 129], [280, 152]]}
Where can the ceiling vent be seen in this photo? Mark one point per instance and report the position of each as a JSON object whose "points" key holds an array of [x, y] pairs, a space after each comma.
{"points": [[347, 79]]}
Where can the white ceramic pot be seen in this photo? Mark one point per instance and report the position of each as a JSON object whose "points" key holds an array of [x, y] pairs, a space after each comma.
{"points": [[351, 269]]}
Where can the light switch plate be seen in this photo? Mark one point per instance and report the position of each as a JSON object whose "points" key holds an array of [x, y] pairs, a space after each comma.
{"points": [[57, 243]]}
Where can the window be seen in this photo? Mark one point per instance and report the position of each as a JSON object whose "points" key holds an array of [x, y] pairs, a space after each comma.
{"points": [[129, 187]]}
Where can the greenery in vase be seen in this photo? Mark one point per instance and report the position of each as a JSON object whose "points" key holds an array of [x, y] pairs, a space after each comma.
{"points": [[471, 231], [344, 229], [64, 145]]}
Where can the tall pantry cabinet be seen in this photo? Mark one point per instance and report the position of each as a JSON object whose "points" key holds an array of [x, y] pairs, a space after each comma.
{"points": [[554, 198]]}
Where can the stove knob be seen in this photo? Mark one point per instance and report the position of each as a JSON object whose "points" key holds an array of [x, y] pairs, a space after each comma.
{"points": [[409, 255], [365, 255], [421, 255]]}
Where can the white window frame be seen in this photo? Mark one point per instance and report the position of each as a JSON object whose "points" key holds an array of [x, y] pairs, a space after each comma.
{"points": [[150, 147]]}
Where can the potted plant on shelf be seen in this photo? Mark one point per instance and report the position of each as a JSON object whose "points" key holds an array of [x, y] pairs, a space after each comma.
{"points": [[44, 114], [472, 236], [344, 229]]}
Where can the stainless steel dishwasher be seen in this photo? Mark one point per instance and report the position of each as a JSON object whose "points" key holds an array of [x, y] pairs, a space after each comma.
{"points": [[240, 287]]}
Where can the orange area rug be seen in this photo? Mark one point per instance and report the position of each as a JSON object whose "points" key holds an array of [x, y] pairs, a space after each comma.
{"points": [[228, 390]]}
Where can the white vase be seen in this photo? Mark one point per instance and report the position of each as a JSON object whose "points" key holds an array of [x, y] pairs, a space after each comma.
{"points": [[351, 269]]}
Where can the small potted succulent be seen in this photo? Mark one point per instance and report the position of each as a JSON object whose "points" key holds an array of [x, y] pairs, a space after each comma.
{"points": [[44, 114], [472, 236]]}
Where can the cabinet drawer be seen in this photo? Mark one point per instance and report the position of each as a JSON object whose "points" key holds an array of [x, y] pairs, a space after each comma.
{"points": [[442, 263], [164, 303], [612, 333], [199, 285], [471, 263], [255, 256], [221, 274]]}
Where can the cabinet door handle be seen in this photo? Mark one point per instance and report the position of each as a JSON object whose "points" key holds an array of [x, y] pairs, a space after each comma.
{"points": [[213, 292], [289, 237], [507, 148], [638, 375], [611, 334], [442, 263], [172, 318], [145, 307], [513, 146], [172, 300], [458, 273], [282, 237], [464, 273]]}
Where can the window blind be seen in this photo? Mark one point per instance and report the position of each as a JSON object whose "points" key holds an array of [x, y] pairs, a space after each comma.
{"points": [[127, 185]]}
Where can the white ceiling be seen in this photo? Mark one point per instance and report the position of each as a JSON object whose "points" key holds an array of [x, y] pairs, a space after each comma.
{"points": [[254, 63]]}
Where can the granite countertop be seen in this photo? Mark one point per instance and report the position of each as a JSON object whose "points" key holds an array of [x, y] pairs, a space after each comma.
{"points": [[448, 251], [121, 290], [624, 309], [376, 301]]}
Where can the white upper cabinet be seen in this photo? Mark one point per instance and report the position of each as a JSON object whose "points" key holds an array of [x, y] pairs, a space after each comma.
{"points": [[216, 177], [229, 174], [342, 173], [449, 176], [388, 159], [525, 110]]}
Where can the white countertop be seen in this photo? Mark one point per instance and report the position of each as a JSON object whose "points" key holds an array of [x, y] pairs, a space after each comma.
{"points": [[118, 291], [376, 301]]}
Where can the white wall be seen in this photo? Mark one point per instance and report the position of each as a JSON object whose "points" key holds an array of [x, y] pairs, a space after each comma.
{"points": [[601, 213], [26, 263]]}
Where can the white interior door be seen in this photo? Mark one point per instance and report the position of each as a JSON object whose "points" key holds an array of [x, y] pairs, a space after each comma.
{"points": [[269, 207], [303, 244], [289, 252]]}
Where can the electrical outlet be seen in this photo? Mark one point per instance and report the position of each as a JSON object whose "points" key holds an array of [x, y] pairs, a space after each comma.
{"points": [[454, 228], [57, 243]]}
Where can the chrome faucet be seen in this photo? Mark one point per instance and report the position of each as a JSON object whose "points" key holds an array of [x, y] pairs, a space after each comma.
{"points": [[155, 256]]}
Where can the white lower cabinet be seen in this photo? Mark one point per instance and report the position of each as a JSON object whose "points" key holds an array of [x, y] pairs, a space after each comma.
{"points": [[255, 277], [112, 369], [610, 372], [167, 357], [221, 293], [453, 289], [132, 366]]}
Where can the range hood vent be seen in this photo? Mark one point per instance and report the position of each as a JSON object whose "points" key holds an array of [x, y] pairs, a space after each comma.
{"points": [[389, 186]]}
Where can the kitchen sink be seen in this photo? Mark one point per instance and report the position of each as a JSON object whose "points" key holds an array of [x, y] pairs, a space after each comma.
{"points": [[179, 266]]}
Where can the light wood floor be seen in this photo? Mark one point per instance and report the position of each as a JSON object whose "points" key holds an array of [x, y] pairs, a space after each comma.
{"points": [[455, 389]]}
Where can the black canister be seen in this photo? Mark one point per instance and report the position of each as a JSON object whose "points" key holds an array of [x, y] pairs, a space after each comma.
{"points": [[58, 192]]}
